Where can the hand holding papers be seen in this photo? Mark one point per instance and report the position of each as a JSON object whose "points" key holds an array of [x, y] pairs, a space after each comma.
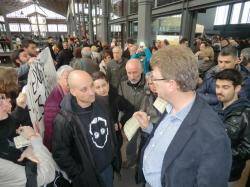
{"points": [[160, 104], [21, 142], [130, 127], [139, 119]]}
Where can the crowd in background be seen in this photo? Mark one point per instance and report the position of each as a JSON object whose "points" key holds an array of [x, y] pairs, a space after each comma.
{"points": [[100, 87]]}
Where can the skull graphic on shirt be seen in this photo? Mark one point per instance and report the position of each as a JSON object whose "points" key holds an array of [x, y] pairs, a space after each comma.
{"points": [[98, 130]]}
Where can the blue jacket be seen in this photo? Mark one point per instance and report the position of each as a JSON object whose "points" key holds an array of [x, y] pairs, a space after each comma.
{"points": [[200, 153], [147, 56], [207, 89]]}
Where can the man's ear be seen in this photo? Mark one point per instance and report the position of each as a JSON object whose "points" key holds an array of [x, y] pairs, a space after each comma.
{"points": [[18, 62], [237, 60], [238, 88], [72, 91]]}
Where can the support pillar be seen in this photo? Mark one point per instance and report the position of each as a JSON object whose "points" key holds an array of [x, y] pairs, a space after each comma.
{"points": [[104, 22], [144, 22], [91, 30], [188, 25], [7, 27]]}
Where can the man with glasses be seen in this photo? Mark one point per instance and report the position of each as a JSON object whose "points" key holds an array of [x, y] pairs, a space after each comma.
{"points": [[84, 144], [189, 146]]}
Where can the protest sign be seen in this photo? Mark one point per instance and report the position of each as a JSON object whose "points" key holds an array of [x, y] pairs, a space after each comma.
{"points": [[41, 81]]}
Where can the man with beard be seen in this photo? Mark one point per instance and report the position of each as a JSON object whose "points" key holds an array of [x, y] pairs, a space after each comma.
{"points": [[134, 91], [235, 113], [30, 47], [50, 45], [227, 59]]}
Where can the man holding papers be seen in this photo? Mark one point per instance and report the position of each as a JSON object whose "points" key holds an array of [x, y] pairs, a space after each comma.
{"points": [[189, 146]]}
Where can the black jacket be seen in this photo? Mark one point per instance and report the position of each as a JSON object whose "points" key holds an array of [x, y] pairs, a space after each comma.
{"points": [[236, 118], [70, 147], [64, 57]]}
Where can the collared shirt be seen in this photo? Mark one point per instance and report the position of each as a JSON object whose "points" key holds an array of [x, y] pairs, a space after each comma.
{"points": [[158, 145]]}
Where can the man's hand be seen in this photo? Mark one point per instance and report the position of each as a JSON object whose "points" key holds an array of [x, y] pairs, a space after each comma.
{"points": [[118, 126], [28, 153], [21, 100], [142, 118], [31, 60], [27, 132]]}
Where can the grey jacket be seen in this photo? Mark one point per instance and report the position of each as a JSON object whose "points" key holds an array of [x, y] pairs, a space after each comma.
{"points": [[133, 94], [148, 107], [86, 64], [116, 72]]}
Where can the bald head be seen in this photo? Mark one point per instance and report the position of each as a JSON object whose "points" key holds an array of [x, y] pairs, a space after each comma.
{"points": [[81, 86], [134, 70], [134, 63], [77, 78]]}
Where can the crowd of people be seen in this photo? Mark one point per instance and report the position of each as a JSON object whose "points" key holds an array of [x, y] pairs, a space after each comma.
{"points": [[201, 138]]}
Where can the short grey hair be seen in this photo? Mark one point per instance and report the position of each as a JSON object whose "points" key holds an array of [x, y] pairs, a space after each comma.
{"points": [[62, 69], [117, 47], [246, 53], [148, 76], [86, 53]]}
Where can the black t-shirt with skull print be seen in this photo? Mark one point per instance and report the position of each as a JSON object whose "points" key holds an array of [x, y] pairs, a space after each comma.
{"points": [[98, 134]]}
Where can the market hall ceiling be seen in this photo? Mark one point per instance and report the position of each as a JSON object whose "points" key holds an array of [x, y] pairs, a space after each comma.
{"points": [[58, 6]]}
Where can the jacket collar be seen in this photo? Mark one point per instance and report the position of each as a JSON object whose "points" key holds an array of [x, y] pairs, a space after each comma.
{"points": [[141, 83]]}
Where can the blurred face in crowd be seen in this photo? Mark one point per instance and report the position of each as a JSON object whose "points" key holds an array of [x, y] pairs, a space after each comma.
{"points": [[129, 46], [227, 62], [158, 44], [134, 70], [226, 91], [31, 49], [55, 49], [202, 46], [107, 59], [151, 85], [101, 87], [117, 54], [133, 49], [51, 41], [82, 87], [24, 57], [185, 44], [5, 104], [63, 81], [65, 45]]}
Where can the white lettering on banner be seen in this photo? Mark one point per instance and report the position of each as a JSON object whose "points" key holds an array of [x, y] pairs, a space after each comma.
{"points": [[41, 81]]}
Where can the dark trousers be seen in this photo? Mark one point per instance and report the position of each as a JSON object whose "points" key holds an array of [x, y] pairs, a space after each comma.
{"points": [[107, 176]]}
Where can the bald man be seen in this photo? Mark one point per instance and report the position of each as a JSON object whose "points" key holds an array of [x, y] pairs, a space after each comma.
{"points": [[83, 142], [133, 90]]}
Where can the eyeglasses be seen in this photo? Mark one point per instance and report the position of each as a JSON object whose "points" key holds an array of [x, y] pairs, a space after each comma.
{"points": [[158, 79]]}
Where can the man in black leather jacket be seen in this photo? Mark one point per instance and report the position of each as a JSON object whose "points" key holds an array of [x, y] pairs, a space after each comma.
{"points": [[84, 143], [235, 113]]}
